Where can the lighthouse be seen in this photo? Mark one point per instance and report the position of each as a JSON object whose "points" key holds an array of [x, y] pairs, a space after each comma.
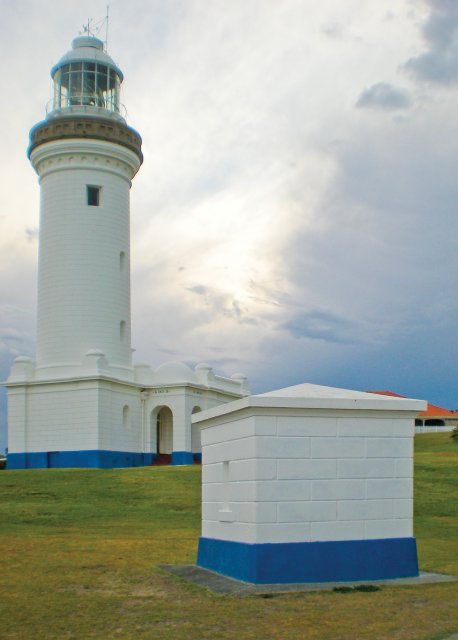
{"points": [[82, 402], [85, 156]]}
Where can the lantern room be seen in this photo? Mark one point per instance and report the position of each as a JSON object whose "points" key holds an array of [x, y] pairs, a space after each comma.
{"points": [[86, 78]]}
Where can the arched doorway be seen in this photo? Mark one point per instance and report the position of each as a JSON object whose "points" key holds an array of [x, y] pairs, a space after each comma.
{"points": [[163, 431], [196, 446]]}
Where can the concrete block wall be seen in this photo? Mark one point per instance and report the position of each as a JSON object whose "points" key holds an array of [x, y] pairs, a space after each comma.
{"points": [[206, 401], [293, 478]]}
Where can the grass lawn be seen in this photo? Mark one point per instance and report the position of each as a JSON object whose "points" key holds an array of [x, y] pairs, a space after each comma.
{"points": [[80, 549]]}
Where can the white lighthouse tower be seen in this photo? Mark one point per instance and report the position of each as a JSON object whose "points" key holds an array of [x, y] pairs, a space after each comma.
{"points": [[85, 156], [82, 403]]}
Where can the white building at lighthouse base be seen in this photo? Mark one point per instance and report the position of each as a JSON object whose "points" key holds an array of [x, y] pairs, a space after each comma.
{"points": [[97, 420]]}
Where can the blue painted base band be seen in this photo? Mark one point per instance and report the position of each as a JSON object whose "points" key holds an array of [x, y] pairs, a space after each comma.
{"points": [[98, 459], [182, 457], [334, 561]]}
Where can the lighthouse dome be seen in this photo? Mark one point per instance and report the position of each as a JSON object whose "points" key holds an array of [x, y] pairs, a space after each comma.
{"points": [[90, 49]]}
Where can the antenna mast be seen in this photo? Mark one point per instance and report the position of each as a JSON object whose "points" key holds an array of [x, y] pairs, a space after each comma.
{"points": [[87, 27], [94, 29], [106, 27]]}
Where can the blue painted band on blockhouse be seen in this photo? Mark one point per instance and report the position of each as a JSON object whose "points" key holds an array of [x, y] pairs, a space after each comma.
{"points": [[95, 459], [333, 561]]}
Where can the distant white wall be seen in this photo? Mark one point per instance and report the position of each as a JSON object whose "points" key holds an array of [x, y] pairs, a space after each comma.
{"points": [[434, 429]]}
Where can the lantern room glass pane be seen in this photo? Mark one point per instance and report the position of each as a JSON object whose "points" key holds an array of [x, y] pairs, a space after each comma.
{"points": [[64, 87], [57, 90], [89, 89], [112, 95], [86, 84], [75, 88]]}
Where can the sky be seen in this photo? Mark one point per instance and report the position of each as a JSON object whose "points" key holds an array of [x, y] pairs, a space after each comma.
{"points": [[295, 218]]}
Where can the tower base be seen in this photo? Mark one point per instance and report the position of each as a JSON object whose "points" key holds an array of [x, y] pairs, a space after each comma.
{"points": [[79, 459]]}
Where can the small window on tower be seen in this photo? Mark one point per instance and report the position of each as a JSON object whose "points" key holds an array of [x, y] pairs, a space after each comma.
{"points": [[93, 196]]}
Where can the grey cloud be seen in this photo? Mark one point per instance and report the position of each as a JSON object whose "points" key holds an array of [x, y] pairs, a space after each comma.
{"points": [[15, 335], [332, 30], [440, 62], [168, 352], [222, 304], [11, 311], [379, 275], [14, 342], [266, 295], [224, 364], [384, 96], [321, 325], [199, 289]]}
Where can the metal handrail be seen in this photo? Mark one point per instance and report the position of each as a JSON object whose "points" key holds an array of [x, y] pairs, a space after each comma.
{"points": [[84, 103]]}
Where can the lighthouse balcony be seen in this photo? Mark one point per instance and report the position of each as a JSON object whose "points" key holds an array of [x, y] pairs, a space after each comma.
{"points": [[86, 105]]}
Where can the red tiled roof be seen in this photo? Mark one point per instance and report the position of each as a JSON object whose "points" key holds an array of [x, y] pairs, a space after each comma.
{"points": [[388, 393], [432, 411]]}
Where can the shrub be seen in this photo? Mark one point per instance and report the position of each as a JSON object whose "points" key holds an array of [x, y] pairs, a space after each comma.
{"points": [[454, 434]]}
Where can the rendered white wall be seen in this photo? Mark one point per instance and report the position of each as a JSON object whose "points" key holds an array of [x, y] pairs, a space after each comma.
{"points": [[54, 417], [318, 476], [73, 416], [17, 417], [113, 434]]}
